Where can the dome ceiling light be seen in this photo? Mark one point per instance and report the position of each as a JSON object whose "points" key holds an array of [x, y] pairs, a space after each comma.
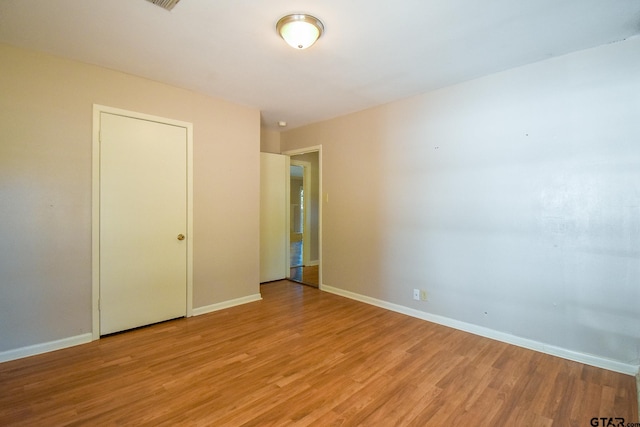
{"points": [[299, 30]]}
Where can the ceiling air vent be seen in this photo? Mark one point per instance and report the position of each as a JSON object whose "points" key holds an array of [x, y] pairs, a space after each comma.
{"points": [[165, 4]]}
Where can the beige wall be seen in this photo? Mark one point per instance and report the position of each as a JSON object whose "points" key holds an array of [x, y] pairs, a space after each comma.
{"points": [[269, 141], [513, 199], [45, 190]]}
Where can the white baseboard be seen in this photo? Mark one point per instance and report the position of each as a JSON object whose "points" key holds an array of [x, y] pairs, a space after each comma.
{"points": [[312, 263], [46, 347], [226, 304], [32, 350], [588, 359]]}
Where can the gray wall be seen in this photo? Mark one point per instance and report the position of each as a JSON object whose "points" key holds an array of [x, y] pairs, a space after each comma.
{"points": [[513, 199]]}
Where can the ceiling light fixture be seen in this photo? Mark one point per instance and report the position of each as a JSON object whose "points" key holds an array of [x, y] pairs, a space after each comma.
{"points": [[165, 4], [299, 30]]}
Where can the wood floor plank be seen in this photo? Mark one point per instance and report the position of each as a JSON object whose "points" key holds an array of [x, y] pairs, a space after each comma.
{"points": [[304, 357]]}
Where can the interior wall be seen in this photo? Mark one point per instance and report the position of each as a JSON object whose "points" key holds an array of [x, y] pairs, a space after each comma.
{"points": [[45, 190], [513, 199], [269, 141]]}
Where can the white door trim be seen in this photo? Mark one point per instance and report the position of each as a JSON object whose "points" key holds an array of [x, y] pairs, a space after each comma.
{"points": [[312, 149], [95, 207]]}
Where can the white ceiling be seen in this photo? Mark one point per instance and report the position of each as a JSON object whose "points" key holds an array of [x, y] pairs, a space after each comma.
{"points": [[373, 51]]}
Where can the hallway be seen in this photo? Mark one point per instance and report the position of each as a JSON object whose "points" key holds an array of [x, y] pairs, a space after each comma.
{"points": [[308, 275]]}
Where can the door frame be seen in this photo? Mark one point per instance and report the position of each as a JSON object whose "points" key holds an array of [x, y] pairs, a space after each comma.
{"points": [[95, 206], [321, 195]]}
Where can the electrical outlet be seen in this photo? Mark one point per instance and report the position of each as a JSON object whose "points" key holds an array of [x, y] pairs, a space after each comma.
{"points": [[423, 295], [416, 294]]}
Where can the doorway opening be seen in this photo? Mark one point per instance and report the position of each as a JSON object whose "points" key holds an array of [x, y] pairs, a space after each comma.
{"points": [[304, 217], [299, 177]]}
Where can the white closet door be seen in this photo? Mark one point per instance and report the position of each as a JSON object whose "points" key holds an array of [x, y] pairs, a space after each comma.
{"points": [[143, 222], [274, 239]]}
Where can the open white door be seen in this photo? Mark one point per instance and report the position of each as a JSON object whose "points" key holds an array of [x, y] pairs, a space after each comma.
{"points": [[274, 217], [143, 222]]}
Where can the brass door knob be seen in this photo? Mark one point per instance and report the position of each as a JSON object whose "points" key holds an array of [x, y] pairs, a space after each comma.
{"points": [[180, 236]]}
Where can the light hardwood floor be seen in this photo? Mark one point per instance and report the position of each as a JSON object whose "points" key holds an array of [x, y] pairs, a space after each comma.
{"points": [[304, 357]]}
